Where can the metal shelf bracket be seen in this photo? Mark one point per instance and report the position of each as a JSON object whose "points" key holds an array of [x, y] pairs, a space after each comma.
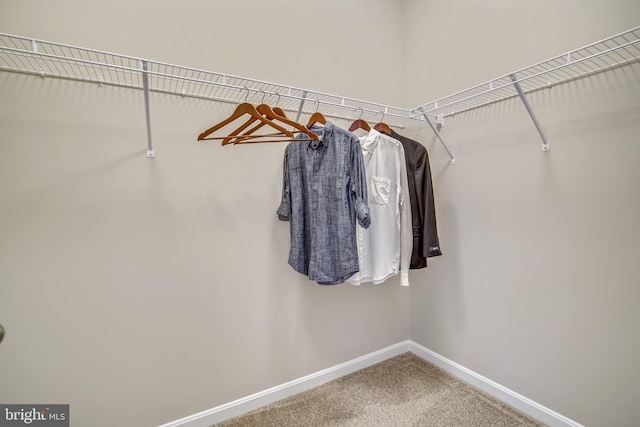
{"points": [[545, 141], [615, 51], [433, 128], [144, 66]]}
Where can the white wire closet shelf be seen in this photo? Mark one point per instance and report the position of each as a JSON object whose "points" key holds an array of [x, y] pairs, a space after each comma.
{"points": [[50, 59], [615, 51]]}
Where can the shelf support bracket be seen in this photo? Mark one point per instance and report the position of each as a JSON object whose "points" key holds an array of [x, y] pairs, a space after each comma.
{"points": [[304, 97], [545, 141], [145, 86], [433, 128]]}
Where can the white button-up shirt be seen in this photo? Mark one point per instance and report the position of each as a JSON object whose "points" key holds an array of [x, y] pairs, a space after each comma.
{"points": [[384, 249]]}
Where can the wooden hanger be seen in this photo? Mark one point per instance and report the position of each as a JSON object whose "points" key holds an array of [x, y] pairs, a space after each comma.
{"points": [[266, 111], [237, 138], [235, 133], [242, 109], [382, 127], [246, 124], [316, 117], [359, 123], [279, 111], [275, 113], [269, 137]]}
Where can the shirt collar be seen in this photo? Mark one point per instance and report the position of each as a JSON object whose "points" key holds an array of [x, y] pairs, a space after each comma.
{"points": [[323, 132], [369, 141]]}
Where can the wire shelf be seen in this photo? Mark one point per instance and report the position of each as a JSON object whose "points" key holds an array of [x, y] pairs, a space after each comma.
{"points": [[228, 88], [615, 51], [48, 59]]}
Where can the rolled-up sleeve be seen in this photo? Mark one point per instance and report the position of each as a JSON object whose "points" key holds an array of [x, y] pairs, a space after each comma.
{"points": [[284, 210], [358, 188]]}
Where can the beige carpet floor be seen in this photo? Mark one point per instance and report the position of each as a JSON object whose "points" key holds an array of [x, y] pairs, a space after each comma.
{"points": [[401, 391]]}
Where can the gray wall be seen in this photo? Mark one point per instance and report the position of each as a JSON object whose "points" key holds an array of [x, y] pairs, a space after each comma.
{"points": [[151, 289], [144, 290], [538, 286]]}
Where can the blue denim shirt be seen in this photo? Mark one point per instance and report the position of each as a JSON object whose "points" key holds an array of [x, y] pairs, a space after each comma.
{"points": [[324, 191]]}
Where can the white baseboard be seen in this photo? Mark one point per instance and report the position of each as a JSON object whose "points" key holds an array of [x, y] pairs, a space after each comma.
{"points": [[265, 397], [510, 397]]}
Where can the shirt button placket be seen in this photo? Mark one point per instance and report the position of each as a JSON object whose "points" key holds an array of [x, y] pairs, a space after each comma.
{"points": [[314, 210]]}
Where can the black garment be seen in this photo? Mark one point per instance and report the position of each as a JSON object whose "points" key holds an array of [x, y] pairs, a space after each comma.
{"points": [[423, 213]]}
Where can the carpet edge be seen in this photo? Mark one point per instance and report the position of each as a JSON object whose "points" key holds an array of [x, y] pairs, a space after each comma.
{"points": [[254, 401], [504, 394]]}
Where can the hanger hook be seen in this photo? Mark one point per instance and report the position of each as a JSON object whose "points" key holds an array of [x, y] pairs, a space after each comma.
{"points": [[383, 114], [247, 95], [278, 101], [361, 112], [263, 95], [317, 105]]}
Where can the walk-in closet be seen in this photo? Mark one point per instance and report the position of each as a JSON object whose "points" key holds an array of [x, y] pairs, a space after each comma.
{"points": [[153, 271]]}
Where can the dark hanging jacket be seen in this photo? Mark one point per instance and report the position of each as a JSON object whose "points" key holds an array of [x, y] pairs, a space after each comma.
{"points": [[425, 234]]}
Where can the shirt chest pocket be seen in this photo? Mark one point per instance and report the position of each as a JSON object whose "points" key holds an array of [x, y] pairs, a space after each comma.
{"points": [[380, 190]]}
